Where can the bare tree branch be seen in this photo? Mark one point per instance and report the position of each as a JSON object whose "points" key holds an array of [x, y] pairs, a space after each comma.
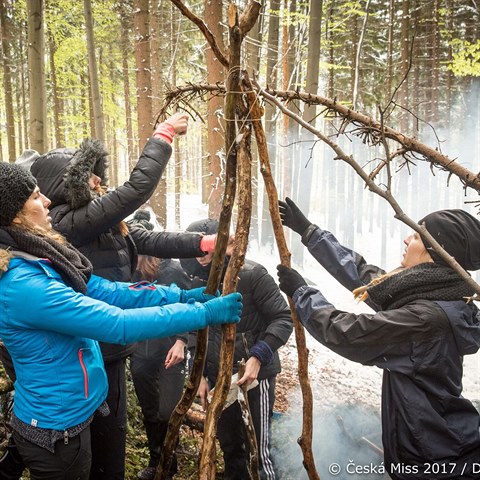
{"points": [[367, 127], [372, 186], [204, 29]]}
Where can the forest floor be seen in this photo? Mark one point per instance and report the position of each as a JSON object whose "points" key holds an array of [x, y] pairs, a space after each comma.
{"points": [[346, 408], [346, 419]]}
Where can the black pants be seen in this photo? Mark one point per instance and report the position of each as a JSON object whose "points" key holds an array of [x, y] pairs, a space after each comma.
{"points": [[11, 463], [158, 390], [69, 462], [231, 433], [109, 433]]}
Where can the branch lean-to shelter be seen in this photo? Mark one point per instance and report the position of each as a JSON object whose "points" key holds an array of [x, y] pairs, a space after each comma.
{"points": [[241, 111], [243, 116]]}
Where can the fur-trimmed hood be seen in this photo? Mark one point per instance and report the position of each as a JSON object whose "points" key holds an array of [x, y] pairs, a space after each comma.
{"points": [[62, 174]]}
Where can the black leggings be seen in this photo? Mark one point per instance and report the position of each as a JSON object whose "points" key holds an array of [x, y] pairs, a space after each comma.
{"points": [[109, 433], [158, 390]]}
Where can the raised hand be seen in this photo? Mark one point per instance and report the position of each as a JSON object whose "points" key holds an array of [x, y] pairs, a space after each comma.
{"points": [[289, 280], [292, 217]]}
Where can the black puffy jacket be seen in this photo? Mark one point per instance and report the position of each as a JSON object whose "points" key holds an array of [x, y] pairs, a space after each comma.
{"points": [[92, 222]]}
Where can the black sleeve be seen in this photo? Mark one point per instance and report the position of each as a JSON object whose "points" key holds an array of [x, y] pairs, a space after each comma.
{"points": [[167, 244], [86, 223], [273, 308]]}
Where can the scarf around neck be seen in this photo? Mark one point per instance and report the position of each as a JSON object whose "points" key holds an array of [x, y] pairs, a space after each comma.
{"points": [[427, 281], [74, 268]]}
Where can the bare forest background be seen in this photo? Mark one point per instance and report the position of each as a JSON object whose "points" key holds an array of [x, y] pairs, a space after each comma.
{"points": [[72, 70], [112, 69]]}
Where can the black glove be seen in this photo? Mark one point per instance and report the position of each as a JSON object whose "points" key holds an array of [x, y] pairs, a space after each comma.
{"points": [[289, 280], [292, 217]]}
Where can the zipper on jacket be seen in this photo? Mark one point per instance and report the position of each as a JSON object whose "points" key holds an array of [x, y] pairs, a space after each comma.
{"points": [[85, 376], [65, 437]]}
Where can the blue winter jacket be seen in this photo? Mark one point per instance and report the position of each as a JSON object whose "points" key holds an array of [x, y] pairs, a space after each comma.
{"points": [[51, 332]]}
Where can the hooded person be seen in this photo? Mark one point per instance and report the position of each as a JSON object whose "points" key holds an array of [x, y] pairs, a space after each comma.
{"points": [[266, 325], [423, 326], [91, 218], [61, 383]]}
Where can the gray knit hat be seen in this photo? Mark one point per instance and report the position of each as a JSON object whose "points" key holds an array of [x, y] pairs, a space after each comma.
{"points": [[16, 186]]}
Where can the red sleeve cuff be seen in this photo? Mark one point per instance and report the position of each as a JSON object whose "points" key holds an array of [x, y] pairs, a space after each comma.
{"points": [[165, 132]]}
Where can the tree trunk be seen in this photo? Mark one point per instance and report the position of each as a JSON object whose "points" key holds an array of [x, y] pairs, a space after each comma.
{"points": [[23, 79], [57, 100], [270, 118], [36, 70], [389, 81], [7, 81], [358, 54], [405, 62], [215, 73], [436, 65], [125, 22], [158, 200], [142, 65], [93, 74]]}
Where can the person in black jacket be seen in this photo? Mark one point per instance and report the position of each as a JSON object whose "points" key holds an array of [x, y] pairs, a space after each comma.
{"points": [[92, 221], [265, 326], [158, 365], [423, 326]]}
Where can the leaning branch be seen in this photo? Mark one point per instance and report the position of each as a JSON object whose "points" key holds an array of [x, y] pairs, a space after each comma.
{"points": [[305, 440], [373, 187]]}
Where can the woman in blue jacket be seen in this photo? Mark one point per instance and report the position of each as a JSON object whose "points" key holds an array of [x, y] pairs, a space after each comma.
{"points": [[53, 312]]}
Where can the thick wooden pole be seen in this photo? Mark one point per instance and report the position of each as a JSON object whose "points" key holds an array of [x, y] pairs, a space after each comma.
{"points": [[305, 440], [207, 455]]}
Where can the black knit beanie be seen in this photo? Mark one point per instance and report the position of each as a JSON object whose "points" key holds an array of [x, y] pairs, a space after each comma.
{"points": [[458, 233], [208, 226], [16, 186], [141, 218]]}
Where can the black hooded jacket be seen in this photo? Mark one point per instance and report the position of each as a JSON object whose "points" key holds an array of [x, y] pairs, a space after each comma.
{"points": [[265, 314], [430, 431], [91, 222]]}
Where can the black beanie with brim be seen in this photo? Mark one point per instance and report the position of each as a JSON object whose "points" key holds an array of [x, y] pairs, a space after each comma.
{"points": [[458, 233], [16, 186]]}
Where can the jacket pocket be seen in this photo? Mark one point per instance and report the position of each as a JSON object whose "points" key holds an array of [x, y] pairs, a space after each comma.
{"points": [[84, 370]]}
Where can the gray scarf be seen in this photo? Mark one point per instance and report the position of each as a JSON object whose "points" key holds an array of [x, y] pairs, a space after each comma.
{"points": [[427, 281]]}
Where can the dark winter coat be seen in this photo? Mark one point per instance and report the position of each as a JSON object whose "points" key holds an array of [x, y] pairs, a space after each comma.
{"points": [[265, 316], [169, 271], [427, 424], [92, 222]]}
